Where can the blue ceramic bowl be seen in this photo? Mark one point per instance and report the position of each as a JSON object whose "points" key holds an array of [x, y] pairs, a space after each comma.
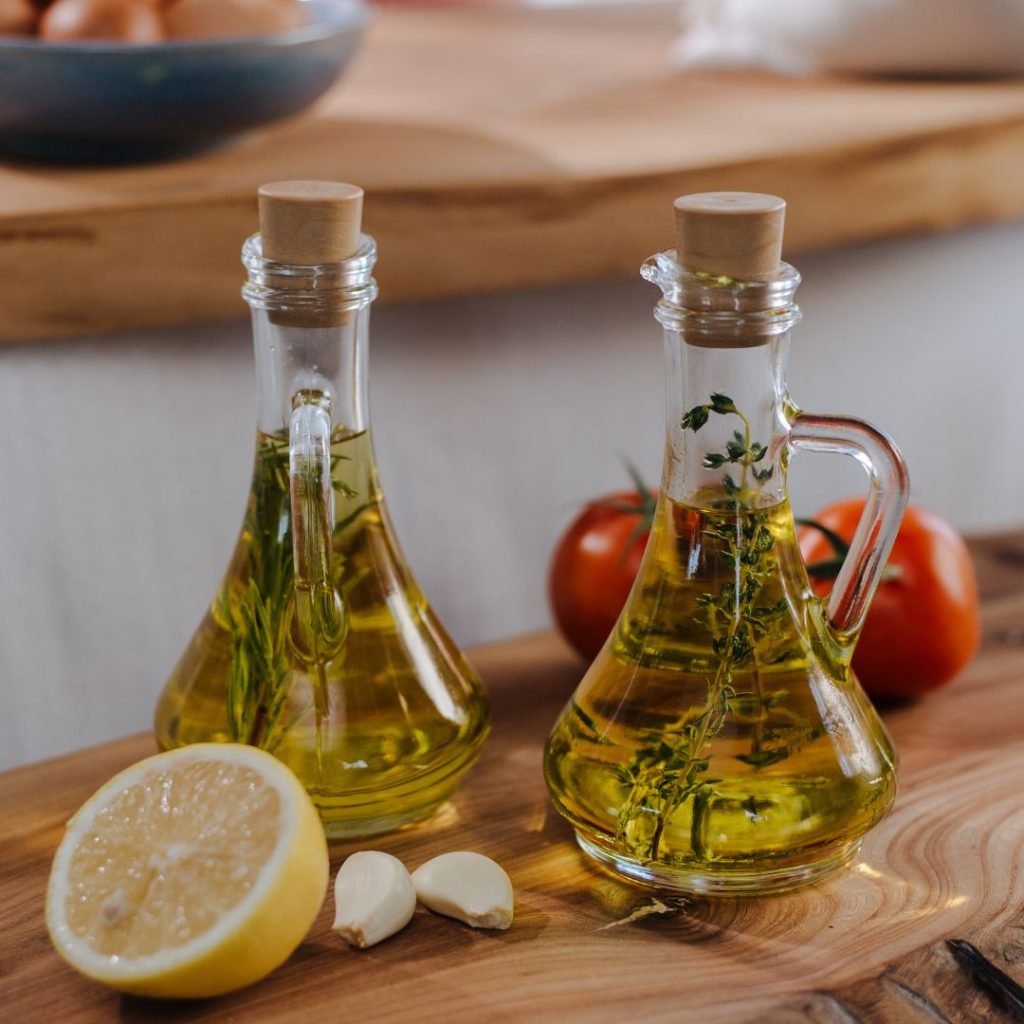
{"points": [[114, 101]]}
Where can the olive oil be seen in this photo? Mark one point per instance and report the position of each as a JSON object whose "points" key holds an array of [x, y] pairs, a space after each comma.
{"points": [[719, 741], [369, 702]]}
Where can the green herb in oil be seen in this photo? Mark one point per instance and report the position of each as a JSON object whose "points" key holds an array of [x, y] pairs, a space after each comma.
{"points": [[258, 619], [270, 630], [666, 773]]}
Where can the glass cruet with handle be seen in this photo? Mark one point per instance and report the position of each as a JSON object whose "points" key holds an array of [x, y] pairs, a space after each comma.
{"points": [[720, 742], [319, 646]]}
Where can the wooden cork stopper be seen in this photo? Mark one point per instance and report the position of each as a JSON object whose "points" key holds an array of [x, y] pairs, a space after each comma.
{"points": [[730, 234], [307, 223], [310, 222]]}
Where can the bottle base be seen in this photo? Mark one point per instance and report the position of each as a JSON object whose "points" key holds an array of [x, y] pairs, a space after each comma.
{"points": [[358, 816], [344, 828], [732, 881], [361, 813]]}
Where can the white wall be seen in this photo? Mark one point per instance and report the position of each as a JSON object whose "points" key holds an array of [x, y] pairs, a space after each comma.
{"points": [[126, 459]]}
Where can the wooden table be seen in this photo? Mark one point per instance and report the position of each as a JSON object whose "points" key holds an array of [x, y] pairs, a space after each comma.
{"points": [[502, 149], [865, 946]]}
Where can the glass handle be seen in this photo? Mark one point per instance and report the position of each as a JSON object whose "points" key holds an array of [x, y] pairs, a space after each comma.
{"points": [[319, 616], [888, 493]]}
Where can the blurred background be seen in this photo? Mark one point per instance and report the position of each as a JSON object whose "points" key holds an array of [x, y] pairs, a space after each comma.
{"points": [[520, 161]]}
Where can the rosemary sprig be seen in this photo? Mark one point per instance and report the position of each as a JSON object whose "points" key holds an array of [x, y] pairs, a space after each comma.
{"points": [[261, 614], [664, 774], [258, 617]]}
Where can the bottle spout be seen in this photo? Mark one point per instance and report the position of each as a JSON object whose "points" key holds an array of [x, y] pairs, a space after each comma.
{"points": [[662, 270]]}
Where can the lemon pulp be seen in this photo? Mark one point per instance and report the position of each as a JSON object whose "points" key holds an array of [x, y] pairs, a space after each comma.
{"points": [[189, 874]]}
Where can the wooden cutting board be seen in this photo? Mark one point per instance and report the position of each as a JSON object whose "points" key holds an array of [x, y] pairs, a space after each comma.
{"points": [[864, 946], [502, 149]]}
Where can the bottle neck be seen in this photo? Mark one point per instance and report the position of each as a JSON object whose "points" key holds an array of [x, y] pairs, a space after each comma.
{"points": [[726, 350], [311, 329], [736, 398]]}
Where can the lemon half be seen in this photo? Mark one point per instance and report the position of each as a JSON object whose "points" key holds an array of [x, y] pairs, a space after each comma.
{"points": [[189, 874]]}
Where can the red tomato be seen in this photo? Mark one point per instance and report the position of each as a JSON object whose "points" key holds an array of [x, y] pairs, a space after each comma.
{"points": [[595, 564], [923, 625]]}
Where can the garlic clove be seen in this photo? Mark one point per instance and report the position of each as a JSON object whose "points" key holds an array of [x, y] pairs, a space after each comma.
{"points": [[467, 886], [373, 897]]}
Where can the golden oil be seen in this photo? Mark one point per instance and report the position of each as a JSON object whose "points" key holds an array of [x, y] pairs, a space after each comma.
{"points": [[381, 714], [719, 742]]}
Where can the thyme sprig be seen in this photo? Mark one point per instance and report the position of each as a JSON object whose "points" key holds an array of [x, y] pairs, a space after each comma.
{"points": [[740, 450], [666, 773]]}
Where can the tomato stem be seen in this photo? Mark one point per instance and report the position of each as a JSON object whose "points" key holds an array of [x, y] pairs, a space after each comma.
{"points": [[839, 546], [828, 569]]}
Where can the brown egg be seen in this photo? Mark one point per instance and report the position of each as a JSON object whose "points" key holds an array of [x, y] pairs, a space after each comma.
{"points": [[126, 21], [226, 19], [17, 18]]}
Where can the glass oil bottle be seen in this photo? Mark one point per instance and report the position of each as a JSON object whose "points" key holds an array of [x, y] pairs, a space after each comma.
{"points": [[319, 646], [720, 743]]}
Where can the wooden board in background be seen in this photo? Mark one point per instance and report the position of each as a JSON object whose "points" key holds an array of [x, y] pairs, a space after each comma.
{"points": [[864, 946], [503, 149]]}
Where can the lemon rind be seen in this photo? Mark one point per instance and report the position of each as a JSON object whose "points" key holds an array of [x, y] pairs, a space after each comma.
{"points": [[158, 974]]}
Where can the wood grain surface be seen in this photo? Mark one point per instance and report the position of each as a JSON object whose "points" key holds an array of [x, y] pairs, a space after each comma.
{"points": [[864, 946], [503, 149]]}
